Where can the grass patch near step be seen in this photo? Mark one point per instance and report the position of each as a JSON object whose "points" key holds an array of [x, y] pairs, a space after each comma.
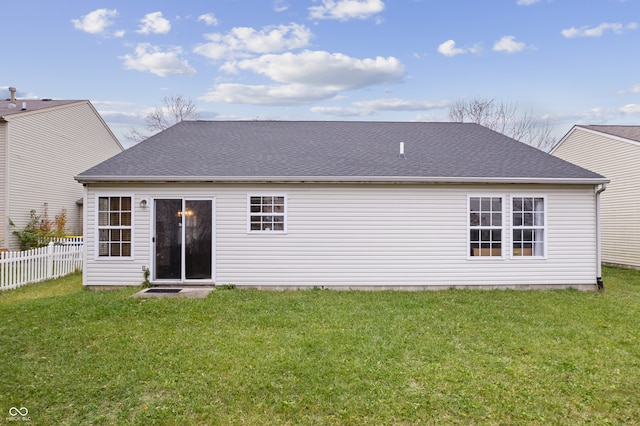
{"points": [[73, 356]]}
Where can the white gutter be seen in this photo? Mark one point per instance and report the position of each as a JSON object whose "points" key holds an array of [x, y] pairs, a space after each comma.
{"points": [[340, 179], [599, 281]]}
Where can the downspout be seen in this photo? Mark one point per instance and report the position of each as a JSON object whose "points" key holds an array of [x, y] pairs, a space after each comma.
{"points": [[85, 216], [599, 281]]}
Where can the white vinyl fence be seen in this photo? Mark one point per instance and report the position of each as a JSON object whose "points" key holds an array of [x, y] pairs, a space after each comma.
{"points": [[57, 259]]}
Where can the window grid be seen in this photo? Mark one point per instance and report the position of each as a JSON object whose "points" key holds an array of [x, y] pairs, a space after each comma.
{"points": [[267, 213], [485, 226], [114, 226], [528, 226]]}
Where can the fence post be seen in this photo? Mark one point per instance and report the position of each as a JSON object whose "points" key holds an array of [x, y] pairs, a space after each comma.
{"points": [[50, 260]]}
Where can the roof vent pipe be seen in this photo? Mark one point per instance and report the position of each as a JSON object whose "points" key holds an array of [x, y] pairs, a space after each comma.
{"points": [[24, 106], [12, 100], [401, 149]]}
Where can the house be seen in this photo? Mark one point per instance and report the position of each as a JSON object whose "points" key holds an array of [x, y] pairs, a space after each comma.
{"points": [[358, 205], [43, 144], [613, 151]]}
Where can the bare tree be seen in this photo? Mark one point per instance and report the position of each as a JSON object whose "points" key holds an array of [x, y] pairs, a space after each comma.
{"points": [[503, 117], [174, 110]]}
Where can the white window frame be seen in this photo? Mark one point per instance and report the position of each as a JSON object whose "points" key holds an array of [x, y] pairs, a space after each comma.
{"points": [[152, 239], [264, 214], [542, 254], [98, 227], [503, 226]]}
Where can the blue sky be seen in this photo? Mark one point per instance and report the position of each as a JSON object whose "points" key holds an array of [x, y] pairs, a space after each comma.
{"points": [[569, 61]]}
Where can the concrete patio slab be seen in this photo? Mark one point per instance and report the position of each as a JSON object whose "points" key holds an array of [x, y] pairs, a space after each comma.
{"points": [[164, 292]]}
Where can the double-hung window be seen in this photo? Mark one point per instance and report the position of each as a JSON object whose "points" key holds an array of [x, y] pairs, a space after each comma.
{"points": [[114, 226], [528, 226], [267, 213], [485, 226]]}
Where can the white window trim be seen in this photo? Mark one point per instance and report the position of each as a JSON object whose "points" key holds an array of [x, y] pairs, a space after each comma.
{"points": [[96, 244], [267, 194], [545, 227], [505, 241]]}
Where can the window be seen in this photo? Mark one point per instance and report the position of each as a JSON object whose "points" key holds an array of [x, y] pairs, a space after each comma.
{"points": [[528, 226], [114, 226], [267, 213], [485, 226]]}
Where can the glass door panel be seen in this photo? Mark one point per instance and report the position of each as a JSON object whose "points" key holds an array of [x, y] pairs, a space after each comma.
{"points": [[168, 239], [197, 237]]}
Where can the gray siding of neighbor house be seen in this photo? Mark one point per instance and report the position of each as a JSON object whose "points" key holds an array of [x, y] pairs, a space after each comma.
{"points": [[618, 160], [3, 182], [361, 236], [46, 149]]}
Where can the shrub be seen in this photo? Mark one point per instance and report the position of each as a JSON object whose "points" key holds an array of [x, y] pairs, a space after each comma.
{"points": [[40, 229]]}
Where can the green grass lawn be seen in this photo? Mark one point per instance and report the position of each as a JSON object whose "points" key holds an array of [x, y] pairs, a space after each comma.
{"points": [[73, 356]]}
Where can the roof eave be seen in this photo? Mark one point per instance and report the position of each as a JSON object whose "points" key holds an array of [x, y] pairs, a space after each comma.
{"points": [[608, 135], [341, 179], [19, 113]]}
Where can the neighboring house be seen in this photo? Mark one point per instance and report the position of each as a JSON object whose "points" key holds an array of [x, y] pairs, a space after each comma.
{"points": [[613, 151], [43, 144], [340, 205]]}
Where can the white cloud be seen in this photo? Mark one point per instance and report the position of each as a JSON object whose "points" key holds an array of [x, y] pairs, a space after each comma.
{"points": [[597, 115], [598, 31], [96, 22], [400, 105], [241, 41], [148, 58], [635, 88], [282, 95], [527, 2], [341, 111], [208, 19], [449, 48], [346, 9], [304, 78], [370, 107], [508, 44], [120, 111], [322, 69], [154, 23], [280, 5], [630, 109]]}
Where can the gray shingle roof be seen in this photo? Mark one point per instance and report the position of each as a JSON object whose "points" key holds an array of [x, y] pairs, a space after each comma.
{"points": [[627, 132], [31, 104], [333, 151]]}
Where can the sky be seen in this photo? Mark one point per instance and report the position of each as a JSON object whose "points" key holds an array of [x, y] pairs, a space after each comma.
{"points": [[565, 61]]}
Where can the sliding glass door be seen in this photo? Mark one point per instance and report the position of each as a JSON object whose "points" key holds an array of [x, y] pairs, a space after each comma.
{"points": [[183, 240]]}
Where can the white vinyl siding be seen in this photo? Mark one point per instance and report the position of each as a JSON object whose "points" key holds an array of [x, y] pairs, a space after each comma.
{"points": [[373, 236], [117, 271], [47, 148], [619, 161]]}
